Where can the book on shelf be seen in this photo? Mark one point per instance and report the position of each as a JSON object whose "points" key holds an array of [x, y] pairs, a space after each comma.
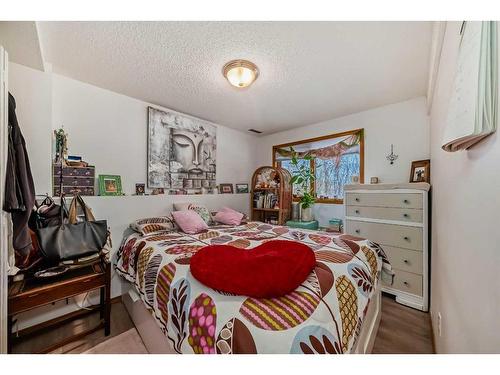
{"points": [[265, 200]]}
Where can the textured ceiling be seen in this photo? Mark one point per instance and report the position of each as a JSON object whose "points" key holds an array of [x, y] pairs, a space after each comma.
{"points": [[20, 39], [309, 71]]}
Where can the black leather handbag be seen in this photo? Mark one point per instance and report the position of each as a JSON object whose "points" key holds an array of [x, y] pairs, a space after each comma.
{"points": [[71, 239]]}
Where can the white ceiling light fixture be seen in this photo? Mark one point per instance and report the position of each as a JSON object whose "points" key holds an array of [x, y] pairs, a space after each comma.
{"points": [[240, 73]]}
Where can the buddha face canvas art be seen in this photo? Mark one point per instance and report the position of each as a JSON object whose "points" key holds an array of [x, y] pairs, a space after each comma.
{"points": [[181, 151]]}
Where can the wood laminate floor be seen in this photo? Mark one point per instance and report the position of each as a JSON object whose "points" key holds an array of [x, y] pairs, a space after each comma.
{"points": [[402, 330]]}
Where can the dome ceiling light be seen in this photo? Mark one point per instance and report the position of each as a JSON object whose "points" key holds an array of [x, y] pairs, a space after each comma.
{"points": [[240, 73]]}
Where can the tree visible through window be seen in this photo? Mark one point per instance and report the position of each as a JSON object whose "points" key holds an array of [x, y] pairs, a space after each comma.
{"points": [[335, 159]]}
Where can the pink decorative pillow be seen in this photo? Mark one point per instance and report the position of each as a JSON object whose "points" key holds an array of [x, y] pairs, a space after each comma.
{"points": [[229, 216], [189, 221]]}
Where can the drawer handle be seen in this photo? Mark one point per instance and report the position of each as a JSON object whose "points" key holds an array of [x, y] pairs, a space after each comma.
{"points": [[406, 261], [406, 238], [357, 199], [406, 201], [406, 215], [357, 211], [357, 231], [406, 283]]}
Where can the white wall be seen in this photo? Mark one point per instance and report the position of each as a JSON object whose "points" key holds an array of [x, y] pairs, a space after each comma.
{"points": [[109, 130], [32, 90], [465, 286], [404, 124]]}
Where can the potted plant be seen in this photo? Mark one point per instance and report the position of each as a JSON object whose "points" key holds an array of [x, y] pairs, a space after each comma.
{"points": [[303, 178]]}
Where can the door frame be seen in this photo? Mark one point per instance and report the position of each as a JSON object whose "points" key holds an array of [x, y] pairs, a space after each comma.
{"points": [[4, 216]]}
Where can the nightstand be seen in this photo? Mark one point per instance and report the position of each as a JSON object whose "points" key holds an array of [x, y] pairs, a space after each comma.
{"points": [[31, 293]]}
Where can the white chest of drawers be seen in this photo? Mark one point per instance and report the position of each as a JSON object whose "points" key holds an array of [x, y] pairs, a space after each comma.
{"points": [[396, 217]]}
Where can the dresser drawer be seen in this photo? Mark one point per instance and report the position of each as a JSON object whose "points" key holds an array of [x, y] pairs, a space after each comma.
{"points": [[397, 200], [405, 260], [74, 181], [387, 234], [74, 171], [385, 213], [407, 282]]}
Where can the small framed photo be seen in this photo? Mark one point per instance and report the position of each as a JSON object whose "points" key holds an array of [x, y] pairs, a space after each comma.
{"points": [[420, 171], [354, 179], [110, 185], [226, 188], [241, 188], [373, 180], [158, 191], [140, 189]]}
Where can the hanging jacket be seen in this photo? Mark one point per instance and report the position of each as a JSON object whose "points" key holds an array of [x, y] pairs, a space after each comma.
{"points": [[19, 188]]}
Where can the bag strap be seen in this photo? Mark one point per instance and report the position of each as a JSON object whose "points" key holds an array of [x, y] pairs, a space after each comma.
{"points": [[77, 199]]}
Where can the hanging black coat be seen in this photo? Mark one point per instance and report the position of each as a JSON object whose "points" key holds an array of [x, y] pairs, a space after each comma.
{"points": [[19, 187]]}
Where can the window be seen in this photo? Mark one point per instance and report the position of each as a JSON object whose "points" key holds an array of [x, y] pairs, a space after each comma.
{"points": [[335, 159]]}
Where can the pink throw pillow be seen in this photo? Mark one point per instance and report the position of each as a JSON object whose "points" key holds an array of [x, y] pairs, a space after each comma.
{"points": [[189, 221], [229, 216]]}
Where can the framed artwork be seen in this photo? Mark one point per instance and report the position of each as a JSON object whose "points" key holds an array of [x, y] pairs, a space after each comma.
{"points": [[241, 188], [110, 185], [226, 188], [420, 171], [140, 189], [181, 151]]}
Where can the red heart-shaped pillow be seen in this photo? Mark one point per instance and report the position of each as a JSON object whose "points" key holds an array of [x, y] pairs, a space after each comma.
{"points": [[272, 269]]}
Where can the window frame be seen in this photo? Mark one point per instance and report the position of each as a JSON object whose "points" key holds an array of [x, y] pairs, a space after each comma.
{"points": [[322, 138]]}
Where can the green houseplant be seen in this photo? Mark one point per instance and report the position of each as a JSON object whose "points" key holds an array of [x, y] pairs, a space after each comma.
{"points": [[303, 178]]}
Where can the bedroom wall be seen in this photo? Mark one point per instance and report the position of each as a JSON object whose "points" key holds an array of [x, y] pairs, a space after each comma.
{"points": [[465, 252], [404, 124], [109, 130]]}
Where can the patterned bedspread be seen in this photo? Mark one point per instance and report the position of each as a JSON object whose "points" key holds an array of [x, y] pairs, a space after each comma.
{"points": [[323, 315]]}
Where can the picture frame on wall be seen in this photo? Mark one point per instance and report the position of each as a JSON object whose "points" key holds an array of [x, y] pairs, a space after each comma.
{"points": [[241, 188], [226, 189], [420, 171], [110, 185]]}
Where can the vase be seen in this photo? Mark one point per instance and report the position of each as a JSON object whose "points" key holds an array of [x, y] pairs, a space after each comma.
{"points": [[306, 214], [295, 211]]}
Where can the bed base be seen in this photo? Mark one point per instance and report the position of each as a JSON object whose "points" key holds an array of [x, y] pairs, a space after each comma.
{"points": [[156, 342]]}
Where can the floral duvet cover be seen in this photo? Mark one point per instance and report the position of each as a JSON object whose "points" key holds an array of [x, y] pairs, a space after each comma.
{"points": [[323, 315]]}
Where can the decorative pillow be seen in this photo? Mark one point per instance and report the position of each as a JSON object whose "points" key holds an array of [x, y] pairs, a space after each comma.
{"points": [[189, 221], [229, 217], [198, 208], [243, 220], [272, 269], [153, 224]]}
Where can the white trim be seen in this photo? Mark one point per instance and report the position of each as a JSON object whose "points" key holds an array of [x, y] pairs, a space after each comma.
{"points": [[438, 31], [4, 217]]}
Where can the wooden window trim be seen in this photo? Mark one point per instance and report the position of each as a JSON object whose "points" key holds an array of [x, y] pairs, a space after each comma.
{"points": [[321, 138]]}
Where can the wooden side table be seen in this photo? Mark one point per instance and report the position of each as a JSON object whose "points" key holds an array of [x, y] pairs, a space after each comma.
{"points": [[28, 294]]}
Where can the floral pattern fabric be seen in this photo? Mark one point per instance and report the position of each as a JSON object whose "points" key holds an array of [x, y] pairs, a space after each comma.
{"points": [[323, 315]]}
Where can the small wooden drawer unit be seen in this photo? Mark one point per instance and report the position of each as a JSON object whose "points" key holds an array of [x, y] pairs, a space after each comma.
{"points": [[396, 217], [73, 180]]}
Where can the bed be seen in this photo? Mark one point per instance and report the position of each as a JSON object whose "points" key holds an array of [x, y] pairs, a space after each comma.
{"points": [[336, 310]]}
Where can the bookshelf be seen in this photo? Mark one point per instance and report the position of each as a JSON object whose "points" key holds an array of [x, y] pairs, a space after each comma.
{"points": [[271, 195]]}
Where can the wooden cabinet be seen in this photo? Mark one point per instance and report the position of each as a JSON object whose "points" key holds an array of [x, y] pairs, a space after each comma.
{"points": [[73, 180], [396, 217]]}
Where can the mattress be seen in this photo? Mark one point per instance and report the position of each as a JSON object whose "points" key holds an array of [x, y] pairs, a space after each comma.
{"points": [[324, 314]]}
